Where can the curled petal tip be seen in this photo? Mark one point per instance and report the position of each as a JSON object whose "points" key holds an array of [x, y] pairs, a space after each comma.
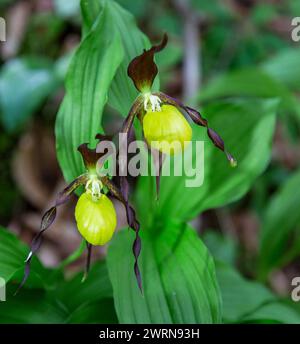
{"points": [[233, 162], [28, 257], [231, 159]]}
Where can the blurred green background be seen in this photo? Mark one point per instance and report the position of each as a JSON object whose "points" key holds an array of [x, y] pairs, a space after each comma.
{"points": [[236, 56]]}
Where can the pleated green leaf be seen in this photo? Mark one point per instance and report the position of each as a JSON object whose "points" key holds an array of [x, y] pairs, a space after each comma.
{"points": [[31, 307], [279, 240], [248, 301], [99, 312], [122, 92], [250, 82], [98, 73], [178, 279], [91, 72], [240, 296], [273, 313], [97, 286]]}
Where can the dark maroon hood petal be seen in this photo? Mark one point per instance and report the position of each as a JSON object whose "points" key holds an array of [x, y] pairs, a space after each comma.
{"points": [[142, 69], [89, 156], [161, 157]]}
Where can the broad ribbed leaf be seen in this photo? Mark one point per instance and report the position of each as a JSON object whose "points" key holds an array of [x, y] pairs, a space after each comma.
{"points": [[99, 312], [89, 11], [285, 68], [247, 128], [178, 275], [274, 313], [279, 225], [249, 83], [89, 77], [249, 301], [246, 82], [223, 247], [122, 92], [31, 307], [97, 286], [91, 301], [240, 296]]}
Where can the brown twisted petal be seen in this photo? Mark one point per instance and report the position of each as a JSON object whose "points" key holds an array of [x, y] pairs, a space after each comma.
{"points": [[196, 117], [127, 128], [199, 120], [142, 69], [132, 222], [47, 220], [216, 139], [159, 162]]}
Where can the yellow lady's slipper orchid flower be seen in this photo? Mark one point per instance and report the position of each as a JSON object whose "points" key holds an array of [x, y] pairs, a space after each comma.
{"points": [[94, 213], [96, 219], [161, 116], [167, 130]]}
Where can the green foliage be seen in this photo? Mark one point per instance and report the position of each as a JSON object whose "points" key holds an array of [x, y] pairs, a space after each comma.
{"points": [[88, 302], [12, 256], [47, 298], [240, 296], [122, 92], [30, 307], [89, 77], [247, 301], [94, 313], [97, 286], [178, 278], [248, 83], [244, 300], [279, 230], [183, 280], [24, 85], [290, 74], [250, 144], [99, 64], [273, 313], [222, 247]]}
